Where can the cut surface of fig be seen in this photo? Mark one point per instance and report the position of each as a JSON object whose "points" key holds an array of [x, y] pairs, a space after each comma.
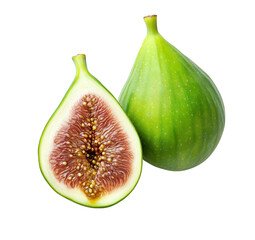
{"points": [[89, 151]]}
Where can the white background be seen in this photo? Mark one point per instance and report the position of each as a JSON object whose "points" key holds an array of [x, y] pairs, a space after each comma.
{"points": [[38, 38]]}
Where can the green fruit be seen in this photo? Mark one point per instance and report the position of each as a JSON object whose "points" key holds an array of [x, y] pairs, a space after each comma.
{"points": [[89, 151], [174, 105]]}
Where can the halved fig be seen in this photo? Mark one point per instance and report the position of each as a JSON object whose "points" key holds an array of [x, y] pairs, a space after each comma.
{"points": [[89, 151]]}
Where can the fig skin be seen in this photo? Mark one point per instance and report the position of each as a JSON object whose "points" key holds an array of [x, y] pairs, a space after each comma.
{"points": [[174, 105]]}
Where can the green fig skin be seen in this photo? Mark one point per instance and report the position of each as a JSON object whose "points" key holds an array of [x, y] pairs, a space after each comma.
{"points": [[174, 105]]}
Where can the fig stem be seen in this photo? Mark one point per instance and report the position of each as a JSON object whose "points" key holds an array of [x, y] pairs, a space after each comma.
{"points": [[80, 63], [151, 23]]}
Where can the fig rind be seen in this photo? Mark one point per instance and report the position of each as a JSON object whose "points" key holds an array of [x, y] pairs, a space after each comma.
{"points": [[175, 106]]}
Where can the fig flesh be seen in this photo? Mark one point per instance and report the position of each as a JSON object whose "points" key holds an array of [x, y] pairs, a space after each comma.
{"points": [[89, 151], [174, 105]]}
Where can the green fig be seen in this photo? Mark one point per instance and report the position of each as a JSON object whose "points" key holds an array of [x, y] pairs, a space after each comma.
{"points": [[174, 105], [89, 151]]}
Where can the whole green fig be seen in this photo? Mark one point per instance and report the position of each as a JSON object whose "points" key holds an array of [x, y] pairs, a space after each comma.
{"points": [[174, 105]]}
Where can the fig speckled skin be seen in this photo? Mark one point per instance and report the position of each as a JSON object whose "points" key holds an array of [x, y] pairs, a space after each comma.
{"points": [[174, 105]]}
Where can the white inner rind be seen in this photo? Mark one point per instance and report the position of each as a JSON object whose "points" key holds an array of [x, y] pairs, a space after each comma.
{"points": [[85, 84]]}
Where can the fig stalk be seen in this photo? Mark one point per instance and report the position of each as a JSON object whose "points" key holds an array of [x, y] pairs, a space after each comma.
{"points": [[80, 64], [151, 23]]}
